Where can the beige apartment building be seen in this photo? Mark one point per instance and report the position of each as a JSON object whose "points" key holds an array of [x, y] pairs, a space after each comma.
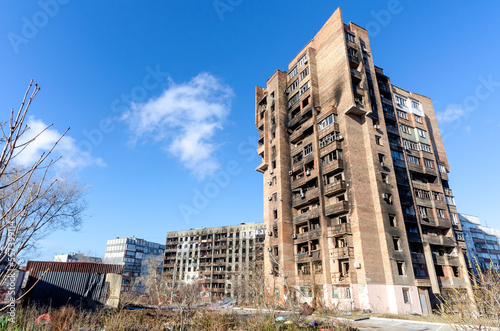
{"points": [[216, 258], [355, 182]]}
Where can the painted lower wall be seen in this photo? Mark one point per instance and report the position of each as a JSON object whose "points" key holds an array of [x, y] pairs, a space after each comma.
{"points": [[378, 298]]}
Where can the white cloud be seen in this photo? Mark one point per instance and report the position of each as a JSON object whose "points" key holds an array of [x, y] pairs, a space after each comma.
{"points": [[72, 157], [452, 113], [185, 118]]}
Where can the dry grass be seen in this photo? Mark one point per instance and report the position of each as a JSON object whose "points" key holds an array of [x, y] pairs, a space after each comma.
{"points": [[69, 318]]}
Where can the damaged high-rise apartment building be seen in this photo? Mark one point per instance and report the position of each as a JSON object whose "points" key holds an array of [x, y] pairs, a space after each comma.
{"points": [[218, 258], [356, 195]]}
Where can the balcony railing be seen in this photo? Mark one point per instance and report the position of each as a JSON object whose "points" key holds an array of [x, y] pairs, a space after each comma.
{"points": [[387, 102], [443, 175], [339, 229], [416, 168], [353, 59], [301, 181], [330, 148], [423, 202], [337, 208], [419, 185], [417, 258], [438, 240], [309, 235], [310, 214], [342, 252], [332, 166], [384, 88], [358, 91], [309, 196], [392, 129], [335, 187], [339, 278], [446, 260], [413, 237], [356, 74], [309, 256], [299, 132], [431, 171], [441, 223]]}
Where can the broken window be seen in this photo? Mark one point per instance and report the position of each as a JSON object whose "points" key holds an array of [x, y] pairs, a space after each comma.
{"points": [[395, 241], [400, 265]]}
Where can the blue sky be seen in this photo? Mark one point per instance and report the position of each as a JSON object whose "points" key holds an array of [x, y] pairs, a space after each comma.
{"points": [[159, 96]]}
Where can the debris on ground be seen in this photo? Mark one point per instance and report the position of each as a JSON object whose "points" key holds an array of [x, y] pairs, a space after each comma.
{"points": [[306, 309]]}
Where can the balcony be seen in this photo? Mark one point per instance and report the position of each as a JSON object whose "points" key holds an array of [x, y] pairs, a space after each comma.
{"points": [[261, 149], [357, 108], [308, 158], [297, 165], [295, 149], [430, 171], [396, 145], [337, 208], [439, 240], [339, 278], [423, 202], [342, 252], [299, 132], [416, 168], [387, 102], [384, 88], [413, 237], [330, 148], [309, 256], [406, 200], [356, 75], [446, 260], [218, 281], [309, 196], [309, 235], [335, 187], [301, 181], [339, 229], [295, 120], [443, 175], [409, 217], [329, 129], [401, 164], [418, 258], [205, 281], [448, 192], [353, 60], [358, 91], [441, 223], [441, 204], [419, 185], [392, 129], [332, 166], [310, 214]]}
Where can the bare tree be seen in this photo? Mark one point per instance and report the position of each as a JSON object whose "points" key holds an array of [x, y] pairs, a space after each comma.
{"points": [[150, 282], [33, 201], [476, 307]]}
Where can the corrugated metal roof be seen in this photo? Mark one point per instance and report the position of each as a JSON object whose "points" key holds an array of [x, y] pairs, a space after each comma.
{"points": [[69, 282], [61, 288], [34, 267]]}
